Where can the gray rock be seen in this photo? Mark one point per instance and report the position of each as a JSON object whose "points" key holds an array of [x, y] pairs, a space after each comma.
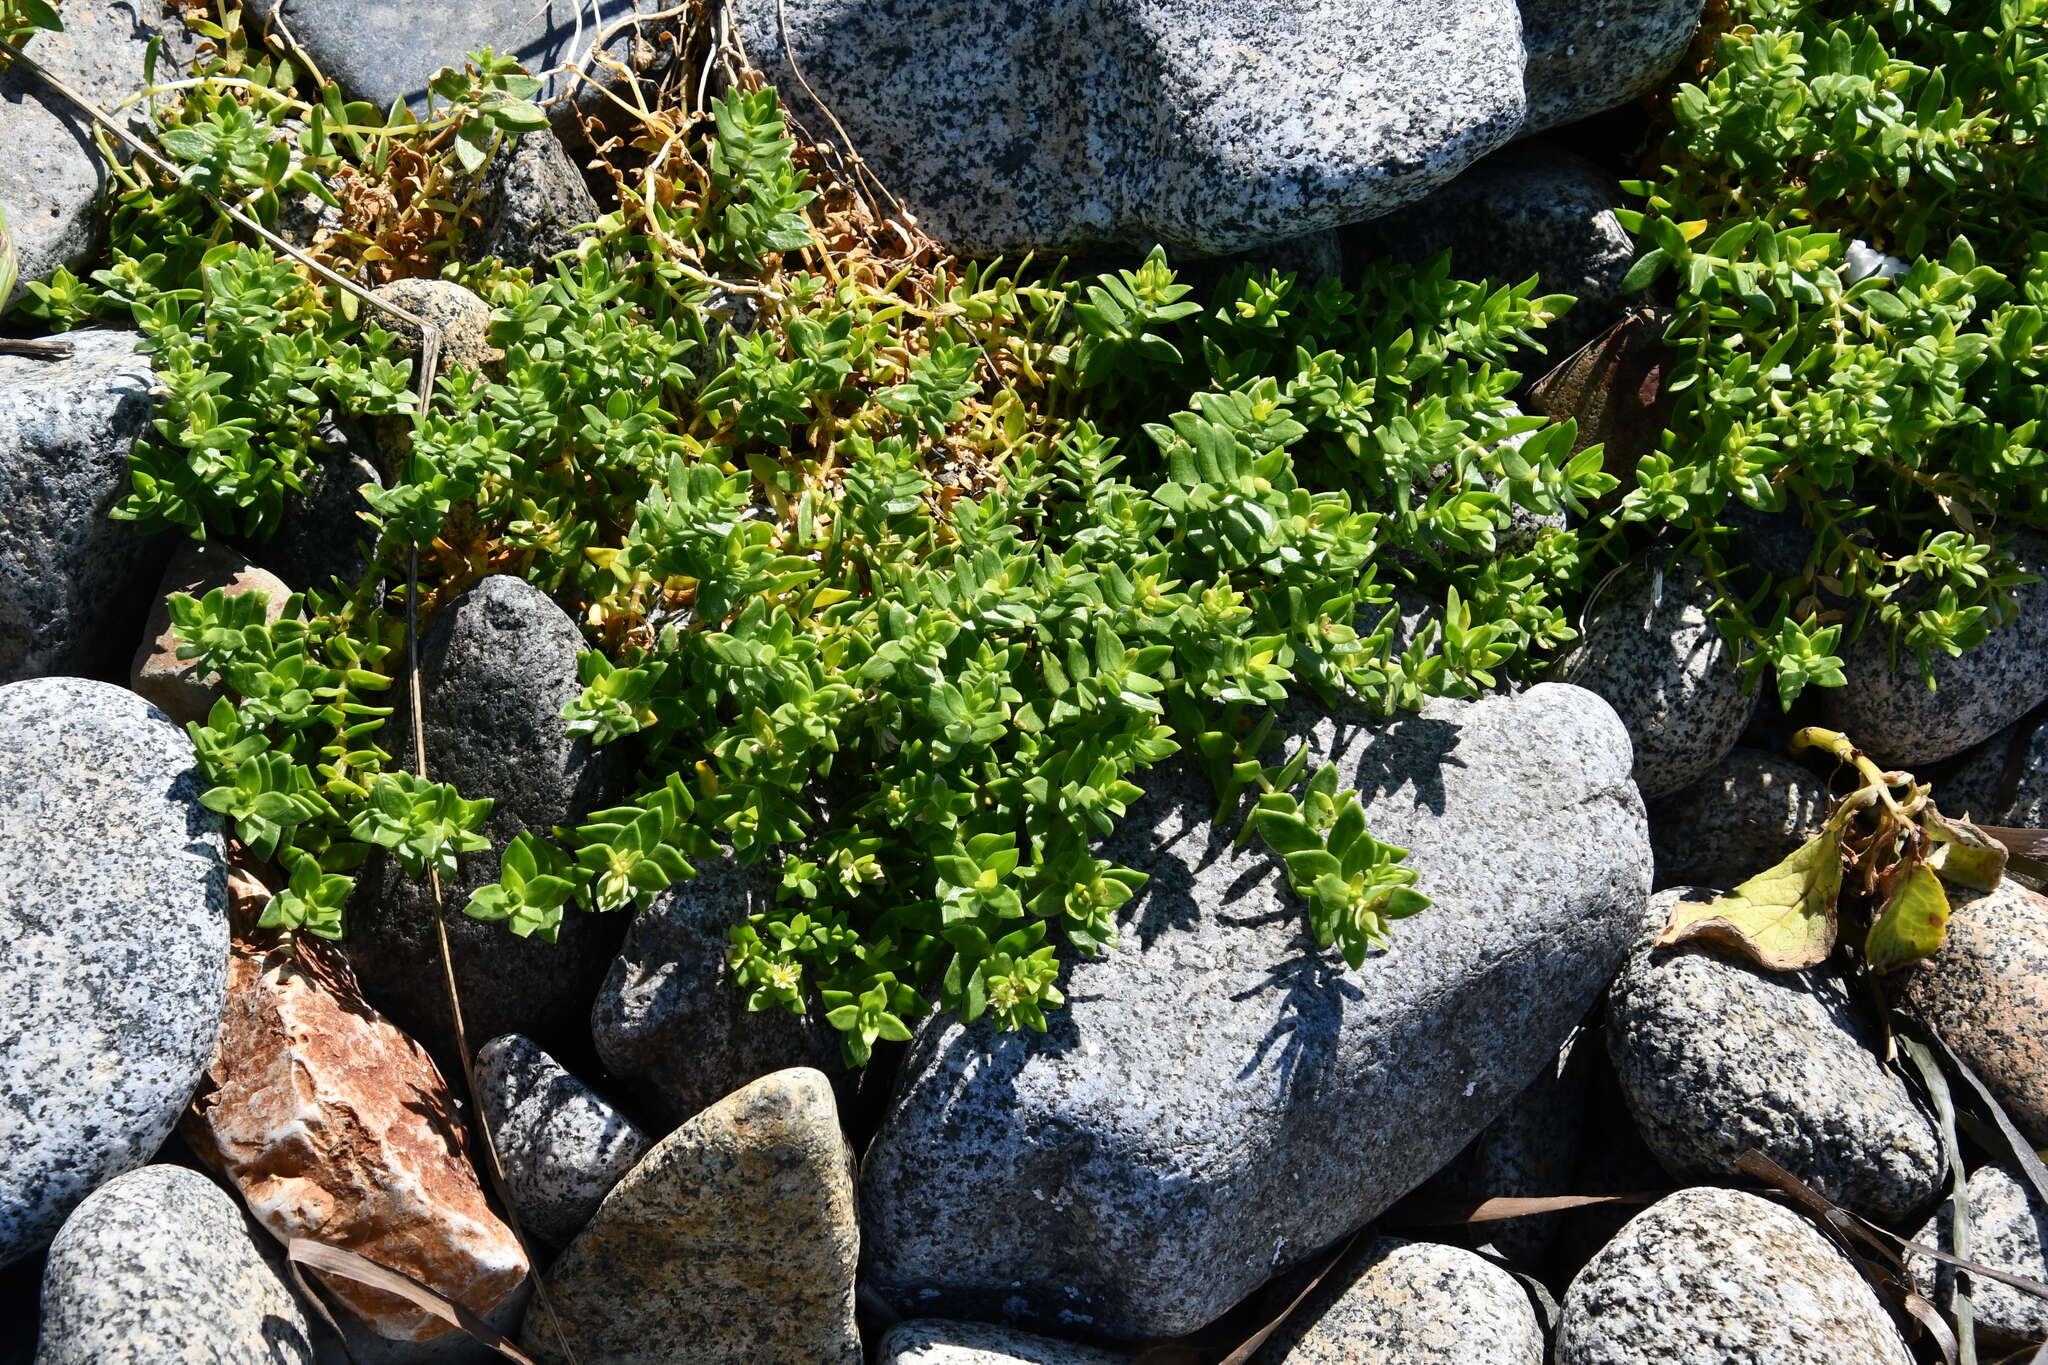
{"points": [[1717, 1056], [497, 665], [1652, 651], [1890, 713], [562, 1147], [74, 586], [534, 199], [1419, 1303], [1976, 788], [387, 50], [1590, 55], [1529, 209], [358, 1344], [1007, 127], [1750, 811], [114, 915], [1714, 1277], [52, 176], [2008, 1227], [174, 685], [732, 1242], [669, 1019], [929, 1341], [1987, 993], [321, 535], [464, 320], [1214, 1100], [162, 1265]]}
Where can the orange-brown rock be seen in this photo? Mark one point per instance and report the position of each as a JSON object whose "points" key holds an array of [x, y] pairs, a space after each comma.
{"points": [[176, 686], [337, 1127]]}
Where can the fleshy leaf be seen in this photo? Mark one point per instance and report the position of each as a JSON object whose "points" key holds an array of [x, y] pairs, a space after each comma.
{"points": [[1966, 855], [1912, 925], [1782, 919]]}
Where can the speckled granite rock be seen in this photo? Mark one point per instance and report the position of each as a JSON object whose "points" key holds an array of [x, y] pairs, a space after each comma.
{"points": [[1890, 713], [668, 1019], [1009, 126], [1975, 787], [1987, 991], [321, 535], [114, 915], [335, 1126], [1528, 209], [2008, 1229], [52, 176], [160, 1265], [1419, 1303], [1652, 652], [1716, 1056], [386, 50], [561, 1146], [929, 1341], [1590, 55], [497, 665], [464, 320], [174, 685], [1750, 811], [1213, 1101], [534, 199], [733, 1242], [1712, 1276], [74, 587]]}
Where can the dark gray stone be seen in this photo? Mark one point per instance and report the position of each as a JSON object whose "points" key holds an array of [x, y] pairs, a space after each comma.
{"points": [[1719, 1277], [1652, 651], [114, 914], [1590, 55], [387, 50], [74, 586], [162, 1265], [1212, 130], [1750, 811], [497, 665], [1216, 1100], [561, 1146], [1977, 787], [669, 1019], [2008, 1228], [1420, 1303], [1529, 209], [1889, 711], [321, 536], [929, 1341], [52, 176], [1717, 1056], [534, 200]]}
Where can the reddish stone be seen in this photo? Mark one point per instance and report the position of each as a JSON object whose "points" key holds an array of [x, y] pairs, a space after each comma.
{"points": [[175, 686], [337, 1127]]}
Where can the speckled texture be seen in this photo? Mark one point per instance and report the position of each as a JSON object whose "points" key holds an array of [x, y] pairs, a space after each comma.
{"points": [[669, 1020], [929, 1341], [2007, 1231], [386, 50], [1214, 1101], [51, 177], [73, 585], [534, 199], [497, 665], [322, 536], [1987, 991], [1211, 129], [1974, 789], [1719, 1277], [464, 320], [161, 1267], [562, 1147], [1529, 209], [114, 916], [1716, 1056], [1651, 650], [1750, 811], [1419, 1303], [174, 685], [1890, 713], [732, 1243], [1590, 55]]}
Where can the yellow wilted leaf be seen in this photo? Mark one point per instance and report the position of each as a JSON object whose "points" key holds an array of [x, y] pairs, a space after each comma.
{"points": [[1964, 854], [1912, 924], [1783, 919]]}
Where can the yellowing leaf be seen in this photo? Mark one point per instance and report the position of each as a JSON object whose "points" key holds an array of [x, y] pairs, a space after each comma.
{"points": [[1691, 231], [1783, 919], [1912, 923], [1964, 854]]}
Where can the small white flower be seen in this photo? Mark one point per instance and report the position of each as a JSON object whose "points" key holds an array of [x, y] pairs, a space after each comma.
{"points": [[1864, 260]]}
